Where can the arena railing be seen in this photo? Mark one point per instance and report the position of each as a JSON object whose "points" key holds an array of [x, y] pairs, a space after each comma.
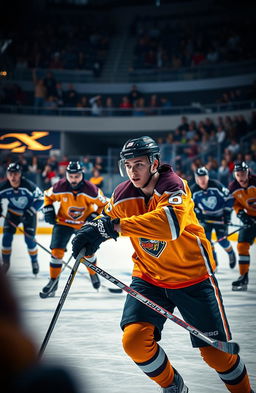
{"points": [[144, 74], [195, 108]]}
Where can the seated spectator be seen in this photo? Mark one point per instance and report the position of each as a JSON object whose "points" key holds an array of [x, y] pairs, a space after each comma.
{"points": [[62, 165], [134, 95], [224, 173], [59, 95], [125, 105], [87, 167], [50, 105], [71, 97], [250, 162], [97, 178], [139, 107], [109, 105], [50, 84], [153, 105], [96, 105], [84, 103], [233, 147], [40, 91]]}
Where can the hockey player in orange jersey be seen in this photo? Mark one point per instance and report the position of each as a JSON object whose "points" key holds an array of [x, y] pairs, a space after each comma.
{"points": [[173, 267], [243, 190], [79, 201]]}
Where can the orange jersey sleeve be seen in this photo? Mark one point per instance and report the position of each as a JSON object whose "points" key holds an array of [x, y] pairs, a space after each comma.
{"points": [[75, 205], [244, 198], [171, 249]]}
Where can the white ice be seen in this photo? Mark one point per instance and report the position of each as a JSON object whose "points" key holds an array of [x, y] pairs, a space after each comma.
{"points": [[87, 336]]}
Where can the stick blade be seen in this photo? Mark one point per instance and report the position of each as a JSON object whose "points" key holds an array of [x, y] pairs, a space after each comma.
{"points": [[229, 347]]}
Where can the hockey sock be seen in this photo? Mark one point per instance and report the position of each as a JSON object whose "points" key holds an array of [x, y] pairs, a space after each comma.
{"points": [[56, 262], [33, 254], [243, 257], [93, 260], [230, 368], [7, 249], [139, 343]]}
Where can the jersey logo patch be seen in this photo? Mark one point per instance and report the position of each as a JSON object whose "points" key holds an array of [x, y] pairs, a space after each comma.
{"points": [[75, 212], [20, 202], [210, 202], [153, 247]]}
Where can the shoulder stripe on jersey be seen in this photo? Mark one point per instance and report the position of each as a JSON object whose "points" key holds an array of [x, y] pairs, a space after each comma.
{"points": [[128, 199], [173, 222]]}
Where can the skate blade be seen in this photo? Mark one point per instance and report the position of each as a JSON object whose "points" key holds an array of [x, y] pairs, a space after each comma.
{"points": [[44, 295], [241, 288]]}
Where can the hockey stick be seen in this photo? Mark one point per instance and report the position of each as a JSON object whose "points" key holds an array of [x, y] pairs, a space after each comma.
{"points": [[60, 304], [229, 234], [230, 347], [222, 223], [112, 290], [44, 295]]}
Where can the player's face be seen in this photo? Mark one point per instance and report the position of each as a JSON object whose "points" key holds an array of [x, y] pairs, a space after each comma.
{"points": [[138, 170], [202, 181], [14, 178], [242, 178], [74, 178]]}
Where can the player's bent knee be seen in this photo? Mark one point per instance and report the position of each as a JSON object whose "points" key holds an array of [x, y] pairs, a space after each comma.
{"points": [[243, 248], [58, 253], [138, 338], [218, 360]]}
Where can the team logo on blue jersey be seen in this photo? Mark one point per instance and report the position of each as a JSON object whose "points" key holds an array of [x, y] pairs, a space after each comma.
{"points": [[210, 202], [153, 247], [75, 212], [20, 202]]}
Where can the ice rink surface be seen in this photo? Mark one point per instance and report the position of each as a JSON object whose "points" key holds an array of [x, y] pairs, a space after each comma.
{"points": [[87, 336]]}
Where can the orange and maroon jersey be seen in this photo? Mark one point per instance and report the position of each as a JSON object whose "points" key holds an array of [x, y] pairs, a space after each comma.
{"points": [[75, 205], [171, 249], [245, 198]]}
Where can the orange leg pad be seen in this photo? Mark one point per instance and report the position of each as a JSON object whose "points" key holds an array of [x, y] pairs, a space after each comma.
{"points": [[140, 345]]}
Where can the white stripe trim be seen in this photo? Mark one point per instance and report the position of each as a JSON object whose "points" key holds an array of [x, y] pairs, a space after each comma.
{"points": [[91, 259], [244, 257], [56, 261], [171, 223], [149, 368], [6, 248], [220, 310], [127, 199], [203, 255], [235, 373], [32, 249]]}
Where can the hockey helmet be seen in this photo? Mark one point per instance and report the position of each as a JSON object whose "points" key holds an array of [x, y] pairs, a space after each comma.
{"points": [[137, 147], [74, 167], [202, 171], [241, 166], [14, 167]]}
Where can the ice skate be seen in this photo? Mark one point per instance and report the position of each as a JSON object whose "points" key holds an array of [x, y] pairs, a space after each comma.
{"points": [[232, 259], [5, 266], [35, 267], [241, 283], [50, 288], [95, 280], [177, 386]]}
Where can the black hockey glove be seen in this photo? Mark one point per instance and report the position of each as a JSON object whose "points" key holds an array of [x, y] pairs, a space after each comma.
{"points": [[49, 214], [91, 217], [28, 214], [246, 220], [92, 234]]}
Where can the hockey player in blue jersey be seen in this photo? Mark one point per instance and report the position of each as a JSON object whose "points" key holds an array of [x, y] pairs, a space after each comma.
{"points": [[24, 200], [213, 202]]}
